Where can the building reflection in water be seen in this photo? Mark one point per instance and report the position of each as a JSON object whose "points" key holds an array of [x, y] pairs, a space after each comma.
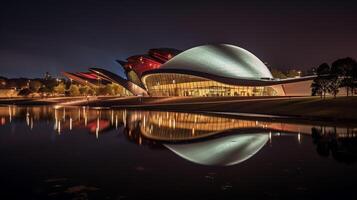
{"points": [[199, 138], [223, 151]]}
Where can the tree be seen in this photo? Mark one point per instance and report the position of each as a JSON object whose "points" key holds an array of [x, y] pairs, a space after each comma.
{"points": [[50, 84], [105, 90], [35, 85], [25, 92], [60, 88], [91, 92], [334, 85], [277, 73], [346, 70], [117, 90], [293, 73], [109, 89], [44, 90], [316, 89], [84, 90], [321, 84], [74, 90]]}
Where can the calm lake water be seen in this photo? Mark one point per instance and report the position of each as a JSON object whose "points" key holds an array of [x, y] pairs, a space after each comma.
{"points": [[82, 153]]}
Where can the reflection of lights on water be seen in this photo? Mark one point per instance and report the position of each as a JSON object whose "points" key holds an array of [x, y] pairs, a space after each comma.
{"points": [[3, 121], [97, 129], [59, 127], [13, 110], [31, 124], [270, 137], [70, 123], [193, 131], [10, 114], [299, 138], [56, 119], [56, 107], [64, 114], [124, 118], [79, 114], [85, 116], [140, 140], [112, 118], [56, 124], [116, 121], [28, 119]]}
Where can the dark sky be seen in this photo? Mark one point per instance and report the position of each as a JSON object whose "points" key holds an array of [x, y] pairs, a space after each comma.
{"points": [[56, 36]]}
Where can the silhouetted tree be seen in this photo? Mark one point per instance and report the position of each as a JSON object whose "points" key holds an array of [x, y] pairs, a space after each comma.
{"points": [[321, 84], [346, 70], [35, 85], [44, 91], [25, 92], [334, 85], [328, 142]]}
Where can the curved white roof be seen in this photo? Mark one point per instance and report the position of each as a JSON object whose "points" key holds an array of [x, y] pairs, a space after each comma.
{"points": [[222, 60], [225, 151]]}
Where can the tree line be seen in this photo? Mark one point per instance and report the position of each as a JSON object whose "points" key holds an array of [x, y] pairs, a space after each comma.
{"points": [[341, 74], [61, 87]]}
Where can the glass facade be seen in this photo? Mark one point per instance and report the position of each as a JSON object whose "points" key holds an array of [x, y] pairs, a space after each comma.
{"points": [[170, 84]]}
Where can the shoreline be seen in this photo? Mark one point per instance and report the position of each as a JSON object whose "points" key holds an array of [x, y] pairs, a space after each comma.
{"points": [[341, 109]]}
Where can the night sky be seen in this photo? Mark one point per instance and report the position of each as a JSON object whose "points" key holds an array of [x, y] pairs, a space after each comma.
{"points": [[56, 36]]}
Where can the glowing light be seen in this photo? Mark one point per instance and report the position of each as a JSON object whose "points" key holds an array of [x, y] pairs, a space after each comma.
{"points": [[10, 114], [31, 124], [97, 129], [116, 121], [270, 138], [59, 127], [70, 123], [64, 114], [28, 119]]}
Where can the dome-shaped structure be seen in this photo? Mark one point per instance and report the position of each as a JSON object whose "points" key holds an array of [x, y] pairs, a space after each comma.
{"points": [[224, 151], [222, 60]]}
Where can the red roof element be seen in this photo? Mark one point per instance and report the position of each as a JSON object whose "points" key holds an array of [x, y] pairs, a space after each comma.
{"points": [[142, 63], [153, 60], [87, 75]]}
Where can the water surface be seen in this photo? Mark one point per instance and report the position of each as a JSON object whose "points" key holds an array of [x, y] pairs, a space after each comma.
{"points": [[81, 153]]}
